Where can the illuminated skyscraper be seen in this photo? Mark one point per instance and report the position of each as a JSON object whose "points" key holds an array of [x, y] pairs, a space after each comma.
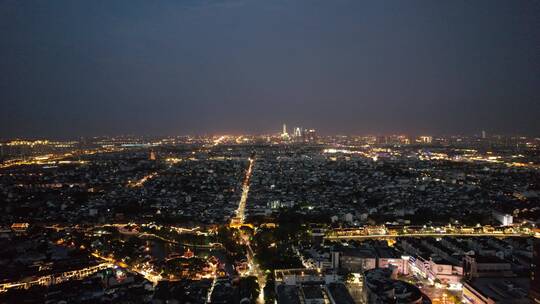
{"points": [[285, 135], [426, 139], [298, 133]]}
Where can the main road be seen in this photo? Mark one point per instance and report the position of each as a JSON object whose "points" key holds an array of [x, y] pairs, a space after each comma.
{"points": [[238, 221], [379, 236]]}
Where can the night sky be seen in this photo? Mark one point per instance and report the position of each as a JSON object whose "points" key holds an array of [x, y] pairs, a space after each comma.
{"points": [[82, 68]]}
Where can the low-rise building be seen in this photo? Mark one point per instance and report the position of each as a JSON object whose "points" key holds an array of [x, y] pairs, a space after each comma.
{"points": [[496, 290], [380, 286]]}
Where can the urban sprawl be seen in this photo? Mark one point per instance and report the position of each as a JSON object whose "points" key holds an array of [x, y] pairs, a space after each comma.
{"points": [[291, 217]]}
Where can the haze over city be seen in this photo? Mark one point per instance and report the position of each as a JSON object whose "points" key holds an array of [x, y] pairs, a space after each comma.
{"points": [[74, 68], [270, 152]]}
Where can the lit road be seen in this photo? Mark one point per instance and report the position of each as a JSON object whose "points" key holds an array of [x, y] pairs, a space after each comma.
{"points": [[56, 278], [240, 212], [237, 221], [256, 271], [254, 268], [151, 235], [375, 236], [141, 181], [178, 230], [385, 232], [219, 140], [436, 295], [54, 159], [154, 278], [441, 296]]}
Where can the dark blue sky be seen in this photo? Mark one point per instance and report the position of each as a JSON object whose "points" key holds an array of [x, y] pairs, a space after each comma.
{"points": [[70, 68]]}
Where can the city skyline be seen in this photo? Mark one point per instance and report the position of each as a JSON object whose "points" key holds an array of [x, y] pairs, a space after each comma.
{"points": [[270, 151], [294, 131]]}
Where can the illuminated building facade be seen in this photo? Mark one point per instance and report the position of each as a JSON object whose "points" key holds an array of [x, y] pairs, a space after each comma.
{"points": [[426, 139], [504, 219], [284, 134]]}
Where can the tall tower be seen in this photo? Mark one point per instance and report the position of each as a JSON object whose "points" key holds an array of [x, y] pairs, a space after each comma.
{"points": [[298, 132], [285, 135]]}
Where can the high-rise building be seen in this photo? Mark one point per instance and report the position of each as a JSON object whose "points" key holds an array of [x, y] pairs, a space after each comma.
{"points": [[284, 134], [483, 134], [297, 132], [426, 139]]}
